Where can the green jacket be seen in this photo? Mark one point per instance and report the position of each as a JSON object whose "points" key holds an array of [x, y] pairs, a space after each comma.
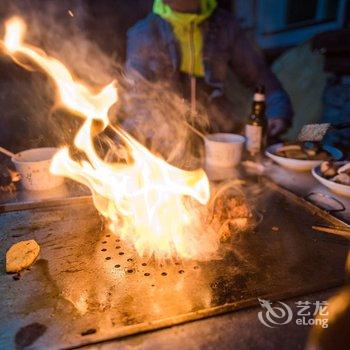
{"points": [[186, 27]]}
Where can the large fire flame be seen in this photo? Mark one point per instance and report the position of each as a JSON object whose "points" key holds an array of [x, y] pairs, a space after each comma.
{"points": [[147, 201]]}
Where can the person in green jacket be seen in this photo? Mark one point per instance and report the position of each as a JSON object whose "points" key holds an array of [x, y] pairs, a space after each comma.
{"points": [[192, 44]]}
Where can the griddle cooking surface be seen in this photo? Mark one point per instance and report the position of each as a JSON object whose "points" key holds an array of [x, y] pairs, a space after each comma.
{"points": [[88, 286]]}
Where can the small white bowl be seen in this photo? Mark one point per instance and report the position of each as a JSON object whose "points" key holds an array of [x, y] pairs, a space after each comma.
{"points": [[34, 167], [343, 190], [290, 163]]}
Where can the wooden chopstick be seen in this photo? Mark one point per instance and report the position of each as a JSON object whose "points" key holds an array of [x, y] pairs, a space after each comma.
{"points": [[7, 152], [343, 231]]}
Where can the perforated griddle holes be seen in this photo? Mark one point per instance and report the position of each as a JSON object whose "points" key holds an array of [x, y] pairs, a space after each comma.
{"points": [[88, 332], [122, 258]]}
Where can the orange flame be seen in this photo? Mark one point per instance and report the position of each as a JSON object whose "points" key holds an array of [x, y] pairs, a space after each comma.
{"points": [[147, 200]]}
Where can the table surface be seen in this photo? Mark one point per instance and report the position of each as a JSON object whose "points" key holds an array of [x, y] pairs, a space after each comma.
{"points": [[239, 330], [32, 199], [302, 184]]}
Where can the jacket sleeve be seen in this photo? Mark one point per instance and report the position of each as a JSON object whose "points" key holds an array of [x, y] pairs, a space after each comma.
{"points": [[249, 65], [141, 60]]}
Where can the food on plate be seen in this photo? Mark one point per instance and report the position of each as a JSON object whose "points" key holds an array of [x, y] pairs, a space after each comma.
{"points": [[21, 255], [337, 173], [344, 169], [303, 151], [342, 178], [329, 169]]}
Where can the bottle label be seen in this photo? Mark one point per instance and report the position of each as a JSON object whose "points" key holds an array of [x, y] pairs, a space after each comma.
{"points": [[259, 97], [254, 135]]}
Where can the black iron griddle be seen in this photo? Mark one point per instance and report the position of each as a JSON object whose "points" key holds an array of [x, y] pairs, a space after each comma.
{"points": [[88, 286]]}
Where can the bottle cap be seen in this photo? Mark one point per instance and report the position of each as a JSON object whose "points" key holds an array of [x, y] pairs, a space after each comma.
{"points": [[259, 95], [260, 89]]}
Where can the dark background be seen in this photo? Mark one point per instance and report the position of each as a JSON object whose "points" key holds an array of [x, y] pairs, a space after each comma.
{"points": [[26, 98]]}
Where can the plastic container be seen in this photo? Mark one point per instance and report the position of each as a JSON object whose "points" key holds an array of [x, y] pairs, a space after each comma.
{"points": [[34, 167], [223, 150]]}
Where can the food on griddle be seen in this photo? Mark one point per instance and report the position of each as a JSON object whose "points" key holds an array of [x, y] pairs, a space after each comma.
{"points": [[231, 213], [336, 173], [303, 151], [21, 256]]}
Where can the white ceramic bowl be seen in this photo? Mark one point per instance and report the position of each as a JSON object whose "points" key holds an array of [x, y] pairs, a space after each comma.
{"points": [[290, 163], [223, 150], [343, 190], [34, 168]]}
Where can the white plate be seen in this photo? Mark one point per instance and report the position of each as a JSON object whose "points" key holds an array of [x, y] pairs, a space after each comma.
{"points": [[343, 190], [290, 163]]}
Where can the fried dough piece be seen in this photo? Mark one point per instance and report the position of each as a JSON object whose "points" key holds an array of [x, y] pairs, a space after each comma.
{"points": [[21, 255]]}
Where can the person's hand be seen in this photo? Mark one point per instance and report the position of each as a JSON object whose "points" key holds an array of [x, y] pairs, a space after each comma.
{"points": [[277, 126]]}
